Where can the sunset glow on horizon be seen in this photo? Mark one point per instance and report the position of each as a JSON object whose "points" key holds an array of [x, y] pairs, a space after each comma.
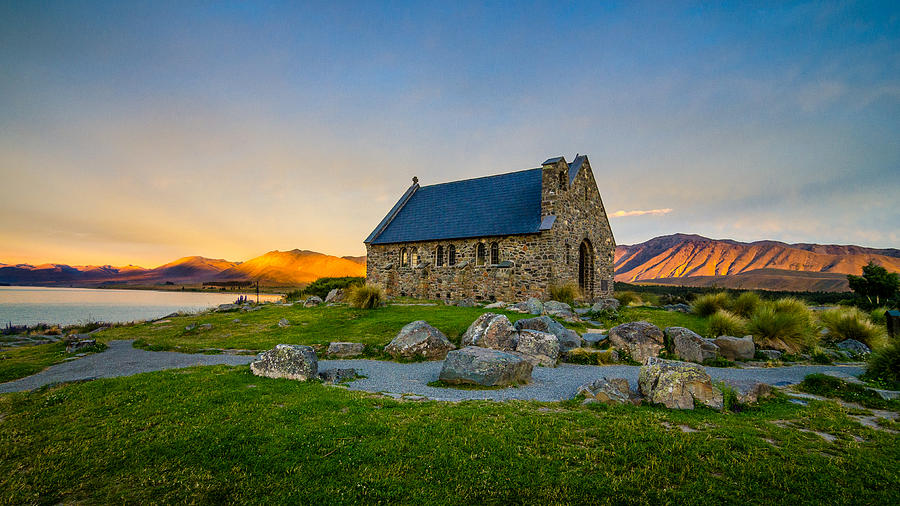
{"points": [[140, 133]]}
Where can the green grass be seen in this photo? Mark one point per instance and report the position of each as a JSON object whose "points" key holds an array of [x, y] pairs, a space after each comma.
{"points": [[659, 317], [220, 435], [24, 361], [829, 386]]}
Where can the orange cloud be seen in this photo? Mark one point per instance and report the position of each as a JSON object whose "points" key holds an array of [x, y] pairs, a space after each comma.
{"points": [[638, 212]]}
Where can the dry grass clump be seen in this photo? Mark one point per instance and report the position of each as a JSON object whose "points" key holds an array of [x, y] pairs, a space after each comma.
{"points": [[564, 293], [726, 323], [707, 305], [851, 323], [628, 298], [783, 325], [365, 296], [746, 304]]}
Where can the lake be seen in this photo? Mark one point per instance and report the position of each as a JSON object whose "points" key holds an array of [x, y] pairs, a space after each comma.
{"points": [[26, 305]]}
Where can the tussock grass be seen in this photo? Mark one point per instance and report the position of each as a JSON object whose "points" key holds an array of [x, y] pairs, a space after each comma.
{"points": [[365, 296], [590, 356], [567, 293], [851, 323], [746, 304], [782, 327], [878, 316], [627, 298], [707, 305], [726, 323], [883, 366]]}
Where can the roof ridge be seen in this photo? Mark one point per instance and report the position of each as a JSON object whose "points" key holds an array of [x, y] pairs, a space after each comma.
{"points": [[479, 177]]}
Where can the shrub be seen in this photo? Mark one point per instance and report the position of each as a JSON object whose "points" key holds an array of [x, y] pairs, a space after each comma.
{"points": [[851, 323], [627, 298], [707, 305], [883, 366], [588, 356], [726, 323], [365, 296], [745, 304], [787, 330], [564, 293], [322, 286], [878, 315]]}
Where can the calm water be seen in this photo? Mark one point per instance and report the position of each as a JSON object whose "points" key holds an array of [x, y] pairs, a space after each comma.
{"points": [[25, 305]]}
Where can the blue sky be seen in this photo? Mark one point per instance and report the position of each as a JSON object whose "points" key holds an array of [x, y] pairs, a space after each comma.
{"points": [[137, 132]]}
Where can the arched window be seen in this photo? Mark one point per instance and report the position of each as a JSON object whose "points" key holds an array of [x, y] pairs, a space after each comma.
{"points": [[404, 258], [479, 254], [562, 180], [414, 257], [439, 256], [451, 255], [495, 253]]}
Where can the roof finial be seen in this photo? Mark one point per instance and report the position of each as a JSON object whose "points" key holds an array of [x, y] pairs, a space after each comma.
{"points": [[415, 180]]}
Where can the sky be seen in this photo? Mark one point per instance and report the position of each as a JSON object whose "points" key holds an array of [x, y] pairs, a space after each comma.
{"points": [[141, 132]]}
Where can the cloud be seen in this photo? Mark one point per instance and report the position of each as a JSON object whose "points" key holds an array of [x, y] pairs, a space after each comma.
{"points": [[638, 212]]}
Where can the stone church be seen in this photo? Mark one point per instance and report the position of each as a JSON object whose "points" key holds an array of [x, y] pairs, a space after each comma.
{"points": [[505, 237]]}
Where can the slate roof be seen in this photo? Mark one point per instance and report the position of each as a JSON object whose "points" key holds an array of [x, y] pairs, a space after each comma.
{"points": [[506, 204], [574, 167]]}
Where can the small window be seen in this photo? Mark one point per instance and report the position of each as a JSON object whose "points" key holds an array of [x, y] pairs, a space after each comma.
{"points": [[404, 258], [495, 253], [451, 255], [604, 285], [479, 254], [439, 256], [414, 257]]}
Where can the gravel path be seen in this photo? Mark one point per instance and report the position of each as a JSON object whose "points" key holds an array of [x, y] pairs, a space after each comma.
{"points": [[549, 384]]}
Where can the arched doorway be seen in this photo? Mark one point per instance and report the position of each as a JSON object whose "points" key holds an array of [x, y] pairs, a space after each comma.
{"points": [[586, 269]]}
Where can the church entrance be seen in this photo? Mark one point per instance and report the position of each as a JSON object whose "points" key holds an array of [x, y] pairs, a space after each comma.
{"points": [[586, 270]]}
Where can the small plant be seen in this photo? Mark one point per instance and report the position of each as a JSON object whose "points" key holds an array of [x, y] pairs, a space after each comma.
{"points": [[883, 366], [851, 323], [878, 315], [746, 304], [726, 323], [588, 356], [787, 331], [829, 386], [627, 298], [365, 296], [718, 361], [730, 400], [707, 305], [564, 293]]}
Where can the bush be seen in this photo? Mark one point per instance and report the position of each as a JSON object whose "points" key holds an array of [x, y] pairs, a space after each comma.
{"points": [[564, 293], [787, 330], [746, 304], [883, 366], [322, 286], [707, 305], [878, 315], [365, 296], [588, 356], [627, 298], [726, 323], [851, 323]]}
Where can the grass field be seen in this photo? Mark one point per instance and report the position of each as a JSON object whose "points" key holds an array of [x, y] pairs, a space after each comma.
{"points": [[219, 434]]}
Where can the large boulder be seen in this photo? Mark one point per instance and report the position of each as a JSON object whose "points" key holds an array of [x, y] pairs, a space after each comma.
{"points": [[609, 391], [531, 306], [482, 366], [605, 305], [335, 295], [78, 345], [419, 340], [855, 347], [641, 340], [540, 348], [289, 361], [343, 349], [491, 330], [677, 384], [736, 348], [312, 301], [688, 345], [467, 302], [560, 309], [680, 308], [568, 339]]}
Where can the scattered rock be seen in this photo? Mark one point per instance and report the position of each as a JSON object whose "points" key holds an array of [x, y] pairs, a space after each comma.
{"points": [[539, 348], [343, 349], [641, 340], [531, 306], [467, 302], [312, 301], [888, 395], [190, 327], [609, 304], [482, 366], [336, 376], [688, 345], [419, 340], [771, 354], [289, 361], [335, 295], [677, 384], [568, 339], [854, 347], [205, 326], [753, 393], [284, 323], [491, 330], [681, 308], [556, 308], [609, 391], [79, 345], [736, 348], [236, 320], [227, 307], [593, 337], [496, 305]]}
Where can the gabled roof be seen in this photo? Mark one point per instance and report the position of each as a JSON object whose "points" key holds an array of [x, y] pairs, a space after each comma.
{"points": [[575, 166], [506, 204]]}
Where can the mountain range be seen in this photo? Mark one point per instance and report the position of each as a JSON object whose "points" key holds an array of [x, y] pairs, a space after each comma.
{"points": [[678, 259]]}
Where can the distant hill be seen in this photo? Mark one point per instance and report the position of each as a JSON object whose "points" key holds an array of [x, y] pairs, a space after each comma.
{"points": [[694, 260], [294, 267]]}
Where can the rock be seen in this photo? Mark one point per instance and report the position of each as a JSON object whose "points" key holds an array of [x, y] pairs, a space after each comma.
{"points": [[540, 348], [556, 308], [227, 307], [854, 347], [609, 391], [491, 330], [335, 295], [771, 354], [284, 323], [289, 361], [568, 339], [496, 305], [593, 338], [80, 344], [605, 305], [190, 327], [419, 340], [688, 345], [236, 320], [677, 384], [475, 365], [342, 349], [531, 306], [753, 393], [467, 302], [641, 340], [888, 395], [681, 308], [312, 301], [336, 376], [736, 348], [205, 326]]}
